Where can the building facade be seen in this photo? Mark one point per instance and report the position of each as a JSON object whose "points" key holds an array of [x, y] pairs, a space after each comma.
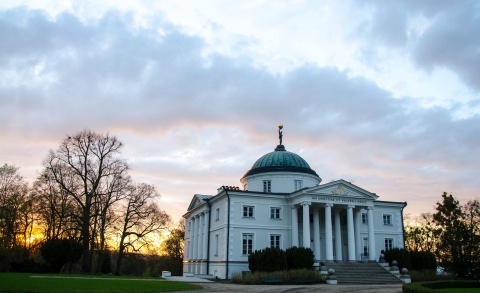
{"points": [[282, 204]]}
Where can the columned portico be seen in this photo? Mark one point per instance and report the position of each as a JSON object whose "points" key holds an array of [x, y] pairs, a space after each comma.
{"points": [[335, 233], [306, 224], [351, 234]]}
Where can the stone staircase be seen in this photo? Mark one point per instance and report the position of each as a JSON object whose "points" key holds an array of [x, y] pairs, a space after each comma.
{"points": [[362, 273]]}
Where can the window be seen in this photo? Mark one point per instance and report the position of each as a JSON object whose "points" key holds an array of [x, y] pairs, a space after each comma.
{"points": [[248, 211], [298, 184], [387, 219], [388, 243], [275, 213], [275, 241], [364, 218], [365, 246], [217, 214], [216, 244], [247, 244], [189, 249], [267, 186], [189, 225]]}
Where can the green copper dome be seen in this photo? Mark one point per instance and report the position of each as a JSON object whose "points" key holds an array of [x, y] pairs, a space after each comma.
{"points": [[280, 160]]}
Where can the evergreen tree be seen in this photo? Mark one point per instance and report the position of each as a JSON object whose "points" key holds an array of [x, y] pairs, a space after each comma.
{"points": [[459, 237]]}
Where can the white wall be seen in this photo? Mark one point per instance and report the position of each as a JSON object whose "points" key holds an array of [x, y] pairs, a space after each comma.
{"points": [[281, 182]]}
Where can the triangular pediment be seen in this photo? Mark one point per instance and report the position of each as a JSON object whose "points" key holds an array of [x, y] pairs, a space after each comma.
{"points": [[198, 199], [341, 188]]}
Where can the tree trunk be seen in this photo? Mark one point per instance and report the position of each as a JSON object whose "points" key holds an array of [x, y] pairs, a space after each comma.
{"points": [[119, 258], [86, 239]]}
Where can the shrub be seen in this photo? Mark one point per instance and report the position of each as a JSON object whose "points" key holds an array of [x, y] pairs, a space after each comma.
{"points": [[267, 260], [423, 260], [402, 256], [423, 275], [58, 252], [299, 258], [288, 277]]}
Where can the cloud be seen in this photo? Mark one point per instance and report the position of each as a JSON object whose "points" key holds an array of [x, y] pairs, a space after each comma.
{"points": [[451, 41], [193, 119], [435, 34]]}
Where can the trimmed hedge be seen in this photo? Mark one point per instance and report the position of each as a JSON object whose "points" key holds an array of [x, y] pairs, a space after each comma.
{"points": [[288, 277], [432, 287], [267, 260], [412, 260], [402, 256], [423, 260], [299, 258]]}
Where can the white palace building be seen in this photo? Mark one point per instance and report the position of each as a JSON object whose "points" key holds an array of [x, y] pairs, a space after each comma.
{"points": [[283, 204]]}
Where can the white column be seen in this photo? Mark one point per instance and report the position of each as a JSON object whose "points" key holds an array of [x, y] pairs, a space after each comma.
{"points": [[328, 232], [338, 235], [205, 237], [316, 234], [306, 224], [351, 234], [294, 226], [200, 234], [357, 217], [205, 243], [192, 239], [197, 233], [372, 254]]}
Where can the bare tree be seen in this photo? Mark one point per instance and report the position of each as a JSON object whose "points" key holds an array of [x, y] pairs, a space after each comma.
{"points": [[140, 217], [421, 233], [79, 166], [113, 190], [55, 208], [14, 204]]}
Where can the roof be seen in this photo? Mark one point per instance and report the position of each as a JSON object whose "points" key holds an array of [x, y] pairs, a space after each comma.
{"points": [[197, 200], [280, 160]]}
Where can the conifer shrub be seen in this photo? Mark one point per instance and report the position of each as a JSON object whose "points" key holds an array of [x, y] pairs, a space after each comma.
{"points": [[267, 260], [299, 258]]}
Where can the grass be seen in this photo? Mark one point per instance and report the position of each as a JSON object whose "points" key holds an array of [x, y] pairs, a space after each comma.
{"points": [[20, 282], [442, 286], [459, 290]]}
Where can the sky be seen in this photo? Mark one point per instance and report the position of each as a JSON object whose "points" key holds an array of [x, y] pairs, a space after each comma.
{"points": [[384, 94]]}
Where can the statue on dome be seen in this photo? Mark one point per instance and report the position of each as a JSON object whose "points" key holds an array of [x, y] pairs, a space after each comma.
{"points": [[280, 134]]}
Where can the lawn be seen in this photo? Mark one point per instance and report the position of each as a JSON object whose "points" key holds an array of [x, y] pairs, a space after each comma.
{"points": [[459, 290], [19, 282]]}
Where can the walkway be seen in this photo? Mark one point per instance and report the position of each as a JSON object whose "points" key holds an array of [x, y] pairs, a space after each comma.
{"points": [[209, 286]]}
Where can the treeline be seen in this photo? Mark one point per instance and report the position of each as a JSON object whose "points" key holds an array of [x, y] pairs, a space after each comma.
{"points": [[83, 193], [452, 234]]}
